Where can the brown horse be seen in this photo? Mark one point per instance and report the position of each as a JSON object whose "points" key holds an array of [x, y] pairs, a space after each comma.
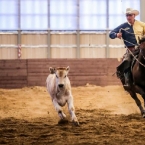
{"points": [[138, 77]]}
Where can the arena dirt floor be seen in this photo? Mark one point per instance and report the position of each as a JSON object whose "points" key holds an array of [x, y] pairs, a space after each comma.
{"points": [[107, 115]]}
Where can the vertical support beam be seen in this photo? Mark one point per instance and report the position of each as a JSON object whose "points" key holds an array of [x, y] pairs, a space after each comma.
{"points": [[48, 40], [107, 31], [19, 25], [107, 43], [78, 31], [19, 37], [78, 44], [107, 13], [142, 10], [49, 36], [19, 22]]}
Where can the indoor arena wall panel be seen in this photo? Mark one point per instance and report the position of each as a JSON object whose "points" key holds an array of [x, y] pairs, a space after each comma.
{"points": [[33, 72], [63, 52]]}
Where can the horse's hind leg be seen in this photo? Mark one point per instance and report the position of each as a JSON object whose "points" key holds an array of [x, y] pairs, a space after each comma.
{"points": [[134, 96]]}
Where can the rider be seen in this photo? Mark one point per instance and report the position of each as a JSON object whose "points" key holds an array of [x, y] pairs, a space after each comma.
{"points": [[129, 32]]}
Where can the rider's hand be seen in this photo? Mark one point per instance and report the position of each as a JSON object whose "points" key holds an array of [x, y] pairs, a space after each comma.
{"points": [[119, 35]]}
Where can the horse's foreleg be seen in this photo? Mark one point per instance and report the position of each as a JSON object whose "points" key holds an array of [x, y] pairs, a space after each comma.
{"points": [[134, 96], [141, 92]]}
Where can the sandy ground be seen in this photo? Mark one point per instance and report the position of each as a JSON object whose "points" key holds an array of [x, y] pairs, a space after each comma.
{"points": [[107, 115]]}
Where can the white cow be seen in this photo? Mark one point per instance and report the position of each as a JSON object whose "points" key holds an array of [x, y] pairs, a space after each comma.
{"points": [[59, 88]]}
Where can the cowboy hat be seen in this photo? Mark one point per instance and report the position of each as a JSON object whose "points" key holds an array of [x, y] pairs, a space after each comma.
{"points": [[132, 11]]}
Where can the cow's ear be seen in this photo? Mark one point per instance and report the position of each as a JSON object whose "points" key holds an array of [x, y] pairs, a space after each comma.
{"points": [[67, 68], [52, 70]]}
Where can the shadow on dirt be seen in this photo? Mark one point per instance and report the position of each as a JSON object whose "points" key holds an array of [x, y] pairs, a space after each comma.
{"points": [[96, 127]]}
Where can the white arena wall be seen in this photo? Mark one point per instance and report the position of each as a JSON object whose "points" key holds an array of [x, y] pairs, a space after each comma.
{"points": [[60, 45]]}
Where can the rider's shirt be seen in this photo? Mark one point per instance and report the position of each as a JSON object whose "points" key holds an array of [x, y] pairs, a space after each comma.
{"points": [[129, 33]]}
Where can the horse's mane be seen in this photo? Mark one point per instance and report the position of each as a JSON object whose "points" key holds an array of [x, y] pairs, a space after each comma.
{"points": [[142, 39]]}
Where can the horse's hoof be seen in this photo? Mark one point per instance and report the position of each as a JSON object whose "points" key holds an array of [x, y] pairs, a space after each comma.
{"points": [[143, 115]]}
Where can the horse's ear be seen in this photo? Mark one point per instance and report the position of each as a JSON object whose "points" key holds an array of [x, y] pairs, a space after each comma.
{"points": [[139, 39]]}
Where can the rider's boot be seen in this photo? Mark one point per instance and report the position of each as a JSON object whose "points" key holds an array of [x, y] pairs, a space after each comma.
{"points": [[128, 82]]}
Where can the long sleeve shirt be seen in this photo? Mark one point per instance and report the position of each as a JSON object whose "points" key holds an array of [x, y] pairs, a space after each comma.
{"points": [[129, 33]]}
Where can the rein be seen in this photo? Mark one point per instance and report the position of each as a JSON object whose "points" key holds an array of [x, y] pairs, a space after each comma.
{"points": [[136, 58], [128, 32], [132, 44], [143, 56], [129, 50]]}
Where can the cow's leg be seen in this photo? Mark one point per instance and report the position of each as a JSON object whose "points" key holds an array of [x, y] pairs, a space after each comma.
{"points": [[59, 109], [72, 110], [134, 96]]}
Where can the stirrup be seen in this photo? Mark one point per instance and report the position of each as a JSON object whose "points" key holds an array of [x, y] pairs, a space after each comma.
{"points": [[127, 86]]}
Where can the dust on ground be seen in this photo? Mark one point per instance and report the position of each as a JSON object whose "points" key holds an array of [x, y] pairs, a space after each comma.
{"points": [[107, 115]]}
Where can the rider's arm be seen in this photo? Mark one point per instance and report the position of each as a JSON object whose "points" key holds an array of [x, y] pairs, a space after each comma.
{"points": [[113, 33]]}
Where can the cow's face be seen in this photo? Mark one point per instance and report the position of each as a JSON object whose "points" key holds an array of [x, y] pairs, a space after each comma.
{"points": [[61, 76]]}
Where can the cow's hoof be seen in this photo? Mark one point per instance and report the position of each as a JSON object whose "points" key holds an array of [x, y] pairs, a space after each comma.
{"points": [[63, 121], [76, 123], [143, 115]]}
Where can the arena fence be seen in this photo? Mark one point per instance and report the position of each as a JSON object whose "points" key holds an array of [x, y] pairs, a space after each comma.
{"points": [[18, 73]]}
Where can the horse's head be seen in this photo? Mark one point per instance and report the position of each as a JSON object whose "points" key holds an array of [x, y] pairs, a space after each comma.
{"points": [[142, 44]]}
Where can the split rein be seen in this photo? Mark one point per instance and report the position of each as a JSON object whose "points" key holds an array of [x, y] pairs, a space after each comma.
{"points": [[132, 44]]}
